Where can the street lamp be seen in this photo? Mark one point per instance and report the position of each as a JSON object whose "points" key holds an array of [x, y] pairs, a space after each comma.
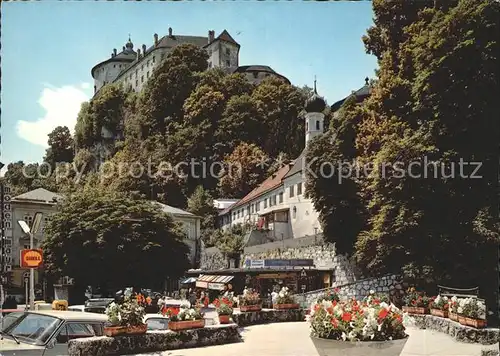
{"points": [[31, 231]]}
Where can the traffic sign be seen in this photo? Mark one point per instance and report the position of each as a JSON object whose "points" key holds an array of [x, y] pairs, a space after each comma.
{"points": [[303, 273], [31, 258]]}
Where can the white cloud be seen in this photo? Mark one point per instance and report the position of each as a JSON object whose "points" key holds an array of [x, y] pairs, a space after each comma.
{"points": [[61, 107]]}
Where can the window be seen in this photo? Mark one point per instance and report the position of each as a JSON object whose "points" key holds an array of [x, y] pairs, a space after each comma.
{"points": [[26, 247], [255, 74], [147, 64], [295, 212], [299, 188], [265, 203], [142, 67], [154, 59], [114, 65], [142, 79], [307, 126], [257, 206], [248, 210], [136, 73], [281, 216], [274, 199], [228, 63], [281, 198], [317, 125], [136, 82], [291, 191], [228, 51], [147, 75], [28, 219], [77, 331], [252, 208]]}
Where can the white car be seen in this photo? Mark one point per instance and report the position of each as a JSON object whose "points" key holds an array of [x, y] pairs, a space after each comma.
{"points": [[47, 332], [156, 321], [78, 308]]}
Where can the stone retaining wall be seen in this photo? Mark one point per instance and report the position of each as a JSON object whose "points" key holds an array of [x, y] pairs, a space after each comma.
{"points": [[154, 341], [268, 316], [390, 285], [462, 333]]}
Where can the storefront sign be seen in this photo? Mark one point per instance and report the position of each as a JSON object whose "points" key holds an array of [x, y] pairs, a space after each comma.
{"points": [[216, 286], [31, 258], [201, 284], [278, 263]]}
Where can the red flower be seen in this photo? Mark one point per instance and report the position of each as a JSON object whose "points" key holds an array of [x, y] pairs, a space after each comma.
{"points": [[329, 310], [347, 317], [334, 322], [383, 313]]}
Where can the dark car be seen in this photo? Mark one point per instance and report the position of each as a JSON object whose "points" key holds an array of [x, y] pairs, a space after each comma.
{"points": [[97, 305]]}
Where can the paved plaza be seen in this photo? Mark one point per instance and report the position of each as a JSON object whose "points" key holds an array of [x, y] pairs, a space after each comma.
{"points": [[292, 339]]}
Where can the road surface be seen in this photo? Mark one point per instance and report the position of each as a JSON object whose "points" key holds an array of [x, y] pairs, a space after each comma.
{"points": [[292, 339]]}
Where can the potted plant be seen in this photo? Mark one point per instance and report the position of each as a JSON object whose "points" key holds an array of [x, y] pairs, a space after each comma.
{"points": [[377, 298], [416, 302], [330, 296], [125, 318], [185, 318], [354, 328], [224, 309], [250, 301], [285, 300], [472, 312], [440, 306], [453, 309]]}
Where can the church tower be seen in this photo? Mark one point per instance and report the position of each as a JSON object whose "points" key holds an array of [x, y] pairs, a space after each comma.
{"points": [[315, 118]]}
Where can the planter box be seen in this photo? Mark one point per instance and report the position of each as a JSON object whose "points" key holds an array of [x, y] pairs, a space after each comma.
{"points": [[250, 308], [462, 320], [475, 323], [285, 306], [115, 330], [415, 310], [224, 319], [137, 330], [438, 312], [186, 325], [326, 347], [453, 316]]}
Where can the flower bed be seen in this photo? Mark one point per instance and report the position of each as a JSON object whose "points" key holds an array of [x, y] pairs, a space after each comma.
{"points": [[154, 341], [126, 317], [440, 306], [416, 302], [357, 328], [224, 309], [185, 318], [250, 301], [285, 300]]}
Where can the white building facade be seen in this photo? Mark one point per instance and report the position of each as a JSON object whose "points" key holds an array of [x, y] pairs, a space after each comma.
{"points": [[278, 208]]}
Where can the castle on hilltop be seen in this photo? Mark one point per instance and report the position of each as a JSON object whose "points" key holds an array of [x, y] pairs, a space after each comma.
{"points": [[133, 67]]}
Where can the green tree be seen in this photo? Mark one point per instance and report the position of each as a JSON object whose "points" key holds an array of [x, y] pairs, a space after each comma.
{"points": [[61, 146], [120, 242], [244, 169], [201, 204]]}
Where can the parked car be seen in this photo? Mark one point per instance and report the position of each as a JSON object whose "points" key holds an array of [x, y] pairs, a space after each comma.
{"points": [[79, 308], [156, 321], [46, 333], [98, 305]]}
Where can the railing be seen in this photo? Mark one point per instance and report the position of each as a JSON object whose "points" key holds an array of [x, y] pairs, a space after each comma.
{"points": [[459, 292]]}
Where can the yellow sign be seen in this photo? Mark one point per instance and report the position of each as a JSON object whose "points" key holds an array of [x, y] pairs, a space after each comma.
{"points": [[31, 258]]}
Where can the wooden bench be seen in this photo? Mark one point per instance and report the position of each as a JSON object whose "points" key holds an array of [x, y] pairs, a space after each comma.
{"points": [[459, 292]]}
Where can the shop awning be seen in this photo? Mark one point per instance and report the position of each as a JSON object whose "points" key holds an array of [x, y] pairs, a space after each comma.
{"points": [[213, 282], [188, 280]]}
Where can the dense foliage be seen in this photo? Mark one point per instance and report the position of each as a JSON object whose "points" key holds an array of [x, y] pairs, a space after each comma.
{"points": [[99, 238], [411, 207]]}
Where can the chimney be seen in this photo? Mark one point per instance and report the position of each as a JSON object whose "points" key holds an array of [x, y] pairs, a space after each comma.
{"points": [[170, 31], [211, 36], [138, 53], [156, 39], [114, 52], [143, 49]]}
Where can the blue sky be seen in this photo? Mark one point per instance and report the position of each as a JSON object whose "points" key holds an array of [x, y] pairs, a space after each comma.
{"points": [[48, 49]]}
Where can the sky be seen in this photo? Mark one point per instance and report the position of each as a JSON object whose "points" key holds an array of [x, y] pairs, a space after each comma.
{"points": [[48, 49]]}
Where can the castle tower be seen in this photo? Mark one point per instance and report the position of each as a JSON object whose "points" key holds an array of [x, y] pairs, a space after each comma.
{"points": [[315, 118]]}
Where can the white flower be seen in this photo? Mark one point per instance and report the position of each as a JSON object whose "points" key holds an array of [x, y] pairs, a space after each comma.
{"points": [[344, 336], [372, 291], [460, 310]]}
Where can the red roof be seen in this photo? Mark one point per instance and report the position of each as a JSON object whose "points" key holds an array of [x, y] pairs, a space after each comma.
{"points": [[270, 183], [225, 36]]}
